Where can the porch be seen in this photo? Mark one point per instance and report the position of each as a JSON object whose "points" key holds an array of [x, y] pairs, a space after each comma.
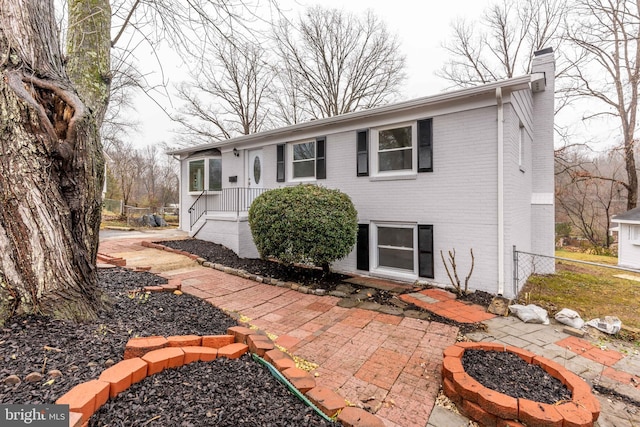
{"points": [[229, 201], [222, 217]]}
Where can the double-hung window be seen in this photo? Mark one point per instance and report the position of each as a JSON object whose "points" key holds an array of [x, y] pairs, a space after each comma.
{"points": [[301, 161], [397, 150], [205, 174], [396, 249], [304, 160]]}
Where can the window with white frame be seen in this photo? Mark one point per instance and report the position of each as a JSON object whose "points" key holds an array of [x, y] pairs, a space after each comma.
{"points": [[394, 248], [303, 160], [634, 233], [395, 148], [205, 174], [399, 150]]}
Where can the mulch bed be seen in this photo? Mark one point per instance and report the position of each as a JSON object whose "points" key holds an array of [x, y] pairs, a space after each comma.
{"points": [[225, 392], [507, 373]]}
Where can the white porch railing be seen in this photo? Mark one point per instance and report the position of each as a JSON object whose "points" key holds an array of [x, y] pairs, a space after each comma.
{"points": [[237, 199]]}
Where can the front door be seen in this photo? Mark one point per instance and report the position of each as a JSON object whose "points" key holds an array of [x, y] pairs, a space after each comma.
{"points": [[255, 180], [256, 171]]}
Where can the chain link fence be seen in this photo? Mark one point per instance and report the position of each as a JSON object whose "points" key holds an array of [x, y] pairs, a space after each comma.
{"points": [[526, 264], [112, 207]]}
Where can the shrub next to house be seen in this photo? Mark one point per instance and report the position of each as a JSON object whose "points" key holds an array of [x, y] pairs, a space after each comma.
{"points": [[304, 224]]}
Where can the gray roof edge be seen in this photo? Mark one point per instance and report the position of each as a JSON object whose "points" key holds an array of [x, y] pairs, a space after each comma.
{"points": [[631, 215], [515, 83]]}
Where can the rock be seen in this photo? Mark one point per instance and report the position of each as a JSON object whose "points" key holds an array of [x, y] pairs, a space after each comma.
{"points": [[417, 314], [394, 311], [33, 377], [499, 306], [12, 380], [73, 368], [347, 289], [92, 364], [348, 303], [54, 373], [398, 303], [338, 294], [320, 292], [109, 363], [373, 306], [366, 293]]}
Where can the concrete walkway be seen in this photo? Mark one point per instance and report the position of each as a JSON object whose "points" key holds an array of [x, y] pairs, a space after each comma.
{"points": [[388, 364]]}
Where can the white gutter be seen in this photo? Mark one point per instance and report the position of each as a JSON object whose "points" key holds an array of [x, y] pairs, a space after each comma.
{"points": [[500, 191], [513, 84]]}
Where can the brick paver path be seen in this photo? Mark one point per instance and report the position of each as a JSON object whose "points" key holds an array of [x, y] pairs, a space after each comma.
{"points": [[388, 363], [445, 304]]}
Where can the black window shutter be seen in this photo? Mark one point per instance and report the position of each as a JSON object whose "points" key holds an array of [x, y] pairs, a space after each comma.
{"points": [[425, 145], [321, 159], [362, 145], [425, 251], [362, 247], [280, 162]]}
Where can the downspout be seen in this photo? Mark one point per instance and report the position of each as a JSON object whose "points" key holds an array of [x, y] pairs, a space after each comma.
{"points": [[500, 191]]}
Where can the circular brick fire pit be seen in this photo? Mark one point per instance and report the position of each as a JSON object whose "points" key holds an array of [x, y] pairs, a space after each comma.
{"points": [[489, 407]]}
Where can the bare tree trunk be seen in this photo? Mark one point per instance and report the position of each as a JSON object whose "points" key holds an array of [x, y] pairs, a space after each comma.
{"points": [[51, 164]]}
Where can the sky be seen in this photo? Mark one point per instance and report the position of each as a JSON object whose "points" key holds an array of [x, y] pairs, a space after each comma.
{"points": [[421, 29]]}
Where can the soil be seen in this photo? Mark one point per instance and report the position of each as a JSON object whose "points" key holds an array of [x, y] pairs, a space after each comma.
{"points": [[507, 373], [60, 355]]}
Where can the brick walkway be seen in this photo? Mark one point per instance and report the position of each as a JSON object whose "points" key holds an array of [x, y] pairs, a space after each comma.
{"points": [[445, 304], [387, 363]]}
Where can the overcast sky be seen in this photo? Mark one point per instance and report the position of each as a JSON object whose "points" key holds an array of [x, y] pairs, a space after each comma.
{"points": [[420, 25]]}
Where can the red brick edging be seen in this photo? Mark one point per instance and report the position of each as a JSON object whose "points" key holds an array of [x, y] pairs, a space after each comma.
{"points": [[146, 356], [490, 408]]}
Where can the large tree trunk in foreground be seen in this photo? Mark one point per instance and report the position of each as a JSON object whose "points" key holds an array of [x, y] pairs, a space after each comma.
{"points": [[51, 164]]}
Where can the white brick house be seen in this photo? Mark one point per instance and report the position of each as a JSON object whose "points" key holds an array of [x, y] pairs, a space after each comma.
{"points": [[467, 169]]}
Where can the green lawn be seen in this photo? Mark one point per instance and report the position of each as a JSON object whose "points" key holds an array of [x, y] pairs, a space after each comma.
{"points": [[591, 291]]}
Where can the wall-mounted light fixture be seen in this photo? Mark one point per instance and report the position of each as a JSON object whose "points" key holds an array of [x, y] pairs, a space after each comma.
{"points": [[236, 152]]}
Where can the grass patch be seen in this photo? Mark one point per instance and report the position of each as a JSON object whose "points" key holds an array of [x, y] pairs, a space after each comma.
{"points": [[591, 291]]}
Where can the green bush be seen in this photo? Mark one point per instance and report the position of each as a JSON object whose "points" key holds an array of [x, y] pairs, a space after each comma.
{"points": [[304, 224]]}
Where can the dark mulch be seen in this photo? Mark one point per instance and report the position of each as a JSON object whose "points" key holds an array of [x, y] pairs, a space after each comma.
{"points": [[213, 252], [82, 351], [507, 373]]}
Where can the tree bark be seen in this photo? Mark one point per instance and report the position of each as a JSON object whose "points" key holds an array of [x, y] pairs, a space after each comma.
{"points": [[51, 165]]}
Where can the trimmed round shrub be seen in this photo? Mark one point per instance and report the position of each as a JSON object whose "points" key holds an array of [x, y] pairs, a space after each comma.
{"points": [[304, 224]]}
